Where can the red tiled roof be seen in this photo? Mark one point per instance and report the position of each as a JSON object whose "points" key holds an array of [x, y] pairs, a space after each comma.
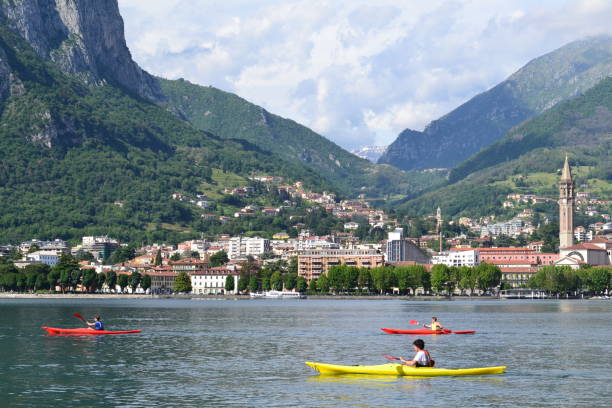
{"points": [[591, 247]]}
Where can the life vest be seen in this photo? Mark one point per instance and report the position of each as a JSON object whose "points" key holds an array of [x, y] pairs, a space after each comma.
{"points": [[98, 325], [436, 326]]}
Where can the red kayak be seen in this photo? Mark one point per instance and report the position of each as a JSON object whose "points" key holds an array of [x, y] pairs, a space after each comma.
{"points": [[85, 331], [426, 331]]}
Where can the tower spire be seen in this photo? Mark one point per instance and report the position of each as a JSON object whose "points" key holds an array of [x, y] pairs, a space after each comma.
{"points": [[566, 174]]}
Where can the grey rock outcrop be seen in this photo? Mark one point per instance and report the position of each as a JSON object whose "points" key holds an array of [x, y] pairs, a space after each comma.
{"points": [[83, 38]]}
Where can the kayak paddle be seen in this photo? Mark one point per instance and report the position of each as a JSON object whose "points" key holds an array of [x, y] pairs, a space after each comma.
{"points": [[78, 316], [414, 322], [391, 358]]}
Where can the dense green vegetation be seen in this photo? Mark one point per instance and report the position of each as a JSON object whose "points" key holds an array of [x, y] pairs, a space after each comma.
{"points": [[231, 117], [563, 280], [80, 161]]}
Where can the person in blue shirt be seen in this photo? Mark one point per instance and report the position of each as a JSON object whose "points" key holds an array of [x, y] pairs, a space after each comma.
{"points": [[97, 324]]}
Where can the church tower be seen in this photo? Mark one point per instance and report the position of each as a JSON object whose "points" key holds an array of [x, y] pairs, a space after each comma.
{"points": [[566, 207], [439, 225]]}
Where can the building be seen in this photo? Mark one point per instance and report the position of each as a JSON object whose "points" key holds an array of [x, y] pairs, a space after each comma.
{"points": [[524, 256], [595, 253], [241, 247], [212, 281], [582, 234], [99, 247], [162, 279], [566, 207], [400, 249], [458, 257], [189, 265], [314, 263], [50, 258]]}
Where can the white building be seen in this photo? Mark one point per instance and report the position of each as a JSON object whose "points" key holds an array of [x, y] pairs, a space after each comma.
{"points": [[470, 257], [212, 281], [240, 247], [396, 246], [50, 258]]}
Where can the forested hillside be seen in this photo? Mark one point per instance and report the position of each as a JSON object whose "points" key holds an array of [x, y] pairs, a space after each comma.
{"points": [[78, 160], [229, 116]]}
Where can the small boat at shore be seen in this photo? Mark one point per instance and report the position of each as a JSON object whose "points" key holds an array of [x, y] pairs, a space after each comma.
{"points": [[402, 370], [277, 294], [85, 331], [426, 331]]}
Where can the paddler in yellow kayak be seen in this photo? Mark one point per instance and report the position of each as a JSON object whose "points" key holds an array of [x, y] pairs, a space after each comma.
{"points": [[421, 358], [434, 325]]}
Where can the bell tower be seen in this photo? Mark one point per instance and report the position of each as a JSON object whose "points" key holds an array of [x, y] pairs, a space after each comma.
{"points": [[566, 207]]}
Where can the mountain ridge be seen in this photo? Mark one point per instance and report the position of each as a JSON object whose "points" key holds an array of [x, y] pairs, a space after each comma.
{"points": [[537, 86]]}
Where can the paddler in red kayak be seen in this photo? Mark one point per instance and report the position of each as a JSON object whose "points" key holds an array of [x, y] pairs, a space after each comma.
{"points": [[421, 358], [97, 324], [434, 325]]}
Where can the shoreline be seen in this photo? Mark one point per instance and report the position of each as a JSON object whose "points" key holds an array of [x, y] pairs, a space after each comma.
{"points": [[103, 296]]}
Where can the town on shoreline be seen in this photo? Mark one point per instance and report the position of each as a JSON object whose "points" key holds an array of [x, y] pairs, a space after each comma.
{"points": [[315, 265]]}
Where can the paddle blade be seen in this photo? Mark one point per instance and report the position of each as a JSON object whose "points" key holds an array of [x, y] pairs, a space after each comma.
{"points": [[78, 316], [414, 322], [391, 358]]}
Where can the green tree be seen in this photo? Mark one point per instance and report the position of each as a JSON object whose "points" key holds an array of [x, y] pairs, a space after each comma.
{"points": [[122, 254], [83, 255], [598, 279], [440, 276], [229, 284], [111, 280], [301, 284], [290, 280], [265, 284], [134, 281], [335, 278], [323, 284], [100, 280], [146, 282], [489, 276], [53, 279], [253, 284], [364, 280], [182, 283], [218, 259], [276, 280], [243, 283], [175, 257], [312, 286], [122, 281], [158, 258], [89, 279]]}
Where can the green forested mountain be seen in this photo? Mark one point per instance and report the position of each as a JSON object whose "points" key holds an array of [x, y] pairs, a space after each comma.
{"points": [[538, 86], [230, 117], [527, 159], [78, 159]]}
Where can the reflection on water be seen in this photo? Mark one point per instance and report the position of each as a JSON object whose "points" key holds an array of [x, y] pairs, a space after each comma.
{"points": [[251, 353]]}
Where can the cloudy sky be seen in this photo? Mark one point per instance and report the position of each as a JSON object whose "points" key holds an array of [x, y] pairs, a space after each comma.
{"points": [[357, 72]]}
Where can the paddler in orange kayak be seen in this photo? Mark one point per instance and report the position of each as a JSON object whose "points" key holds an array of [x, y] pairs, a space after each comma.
{"points": [[97, 324], [434, 325]]}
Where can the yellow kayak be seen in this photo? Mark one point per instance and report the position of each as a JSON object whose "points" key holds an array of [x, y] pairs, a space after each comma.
{"points": [[399, 369]]}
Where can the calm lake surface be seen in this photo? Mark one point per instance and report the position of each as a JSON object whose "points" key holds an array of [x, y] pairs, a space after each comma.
{"points": [[199, 353]]}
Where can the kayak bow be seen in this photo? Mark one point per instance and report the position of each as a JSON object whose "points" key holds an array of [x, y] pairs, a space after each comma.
{"points": [[402, 370], [84, 331]]}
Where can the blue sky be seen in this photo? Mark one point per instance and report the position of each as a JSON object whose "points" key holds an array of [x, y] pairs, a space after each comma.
{"points": [[357, 72]]}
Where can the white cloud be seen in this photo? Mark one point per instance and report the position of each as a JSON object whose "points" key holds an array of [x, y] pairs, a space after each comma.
{"points": [[358, 72]]}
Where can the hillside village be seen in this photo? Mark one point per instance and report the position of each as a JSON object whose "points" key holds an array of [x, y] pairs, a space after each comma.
{"points": [[304, 257]]}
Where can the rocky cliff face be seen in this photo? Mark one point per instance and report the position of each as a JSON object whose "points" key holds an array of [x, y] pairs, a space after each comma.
{"points": [[484, 119], [83, 38]]}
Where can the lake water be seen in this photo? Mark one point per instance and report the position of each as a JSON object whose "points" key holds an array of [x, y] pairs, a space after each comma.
{"points": [[200, 353]]}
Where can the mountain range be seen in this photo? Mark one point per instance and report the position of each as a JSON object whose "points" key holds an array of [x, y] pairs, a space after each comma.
{"points": [[535, 88], [91, 144]]}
